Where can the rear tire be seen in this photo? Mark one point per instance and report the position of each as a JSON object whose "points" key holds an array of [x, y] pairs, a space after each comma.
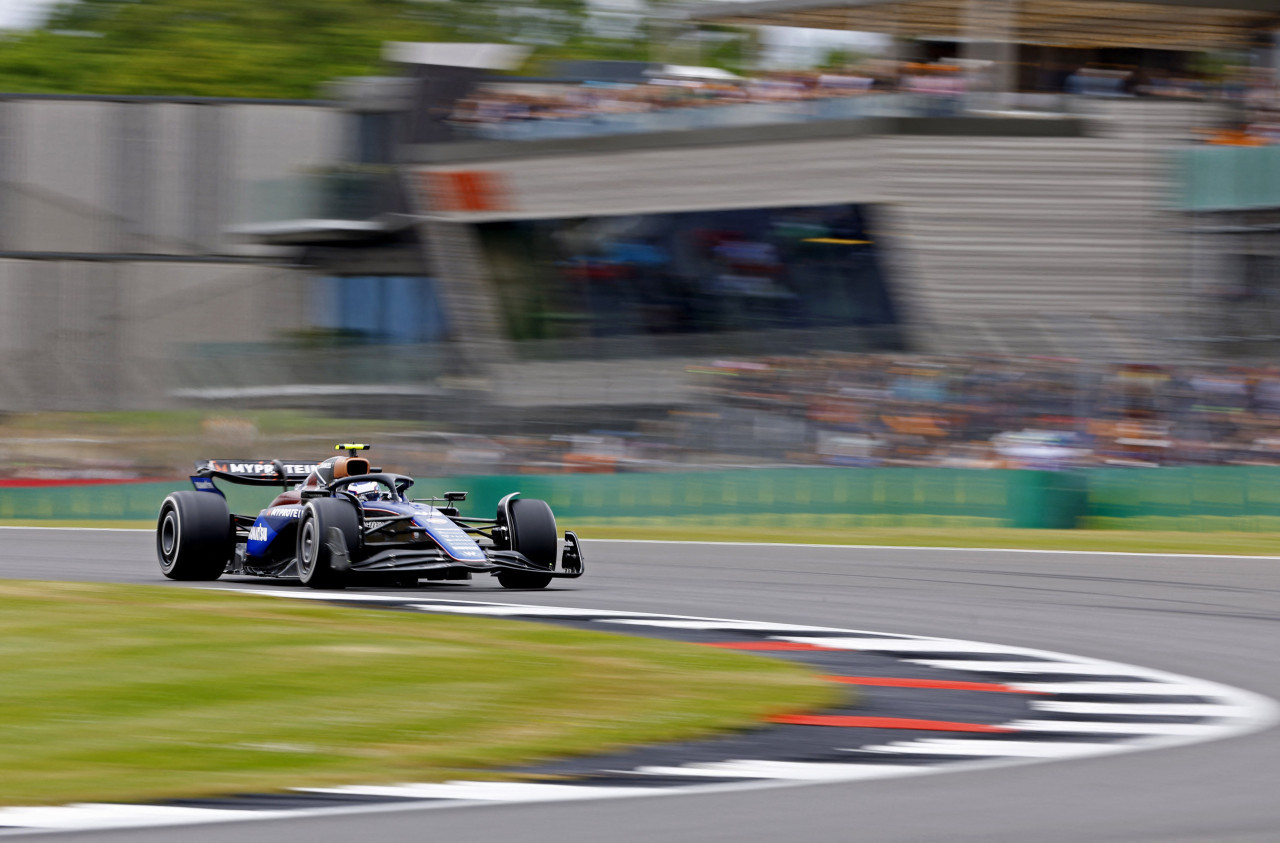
{"points": [[318, 565], [532, 528], [194, 537]]}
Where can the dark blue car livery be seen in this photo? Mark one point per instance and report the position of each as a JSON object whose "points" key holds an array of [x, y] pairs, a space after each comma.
{"points": [[341, 521]]}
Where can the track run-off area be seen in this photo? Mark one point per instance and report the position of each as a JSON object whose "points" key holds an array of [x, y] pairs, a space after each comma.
{"points": [[1176, 650]]}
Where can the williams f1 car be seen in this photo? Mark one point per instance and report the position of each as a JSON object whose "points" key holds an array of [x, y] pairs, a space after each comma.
{"points": [[341, 520]]}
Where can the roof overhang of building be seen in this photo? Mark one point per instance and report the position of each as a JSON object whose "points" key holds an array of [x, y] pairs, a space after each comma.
{"points": [[1162, 24], [301, 232]]}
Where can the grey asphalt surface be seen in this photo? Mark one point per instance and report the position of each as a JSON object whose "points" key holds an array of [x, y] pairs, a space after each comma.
{"points": [[1212, 618]]}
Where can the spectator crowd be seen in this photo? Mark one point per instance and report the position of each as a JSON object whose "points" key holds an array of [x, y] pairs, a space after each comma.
{"points": [[886, 410], [934, 87], [501, 102], [828, 409]]}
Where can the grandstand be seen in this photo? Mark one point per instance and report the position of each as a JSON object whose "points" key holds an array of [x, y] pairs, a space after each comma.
{"points": [[360, 241]]}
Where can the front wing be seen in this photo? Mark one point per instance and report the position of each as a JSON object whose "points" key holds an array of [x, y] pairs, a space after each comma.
{"points": [[415, 559]]}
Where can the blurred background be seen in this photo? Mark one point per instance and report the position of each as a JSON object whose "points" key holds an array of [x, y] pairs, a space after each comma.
{"points": [[611, 237]]}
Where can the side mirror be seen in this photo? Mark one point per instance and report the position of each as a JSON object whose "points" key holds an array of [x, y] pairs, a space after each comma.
{"points": [[455, 496]]}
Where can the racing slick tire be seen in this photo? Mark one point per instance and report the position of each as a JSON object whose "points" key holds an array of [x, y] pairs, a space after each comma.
{"points": [[532, 528], [320, 564], [194, 536]]}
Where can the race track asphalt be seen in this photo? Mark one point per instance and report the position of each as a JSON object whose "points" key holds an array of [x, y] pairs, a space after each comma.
{"points": [[1209, 617]]}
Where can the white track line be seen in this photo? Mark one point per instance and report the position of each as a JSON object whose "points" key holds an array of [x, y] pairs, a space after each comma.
{"points": [[1065, 667], [993, 749], [1142, 709], [1152, 553], [1153, 689], [1089, 727], [934, 547], [106, 815], [513, 611], [911, 645], [736, 626], [483, 791], [782, 770]]}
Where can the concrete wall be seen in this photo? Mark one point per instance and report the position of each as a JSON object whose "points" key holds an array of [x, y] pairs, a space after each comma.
{"points": [[1040, 246], [146, 176], [113, 255], [98, 335]]}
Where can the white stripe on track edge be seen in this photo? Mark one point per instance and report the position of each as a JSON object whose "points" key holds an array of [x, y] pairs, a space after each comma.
{"points": [[91, 815], [794, 771], [1137, 689], [993, 748], [797, 544], [481, 791], [919, 644], [1092, 727], [1125, 709], [1064, 668], [935, 547], [1240, 712]]}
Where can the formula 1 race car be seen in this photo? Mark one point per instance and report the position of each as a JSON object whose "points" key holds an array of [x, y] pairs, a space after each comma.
{"points": [[343, 520]]}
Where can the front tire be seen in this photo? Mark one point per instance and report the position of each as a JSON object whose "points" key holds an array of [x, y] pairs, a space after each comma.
{"points": [[320, 564], [194, 537], [532, 528]]}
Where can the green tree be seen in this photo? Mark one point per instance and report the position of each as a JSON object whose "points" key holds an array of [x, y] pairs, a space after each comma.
{"points": [[265, 48], [836, 58], [289, 48]]}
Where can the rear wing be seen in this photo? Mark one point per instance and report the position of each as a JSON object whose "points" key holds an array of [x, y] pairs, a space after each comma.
{"points": [[256, 472]]}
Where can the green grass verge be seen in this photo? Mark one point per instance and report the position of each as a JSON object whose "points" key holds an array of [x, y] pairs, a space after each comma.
{"points": [[1135, 541], [1132, 541], [126, 692]]}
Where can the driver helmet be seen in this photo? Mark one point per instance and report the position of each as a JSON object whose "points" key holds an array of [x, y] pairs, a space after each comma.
{"points": [[365, 491]]}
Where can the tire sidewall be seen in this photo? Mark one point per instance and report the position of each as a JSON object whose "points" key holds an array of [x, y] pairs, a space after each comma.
{"points": [[533, 531], [194, 536], [308, 556], [313, 557], [169, 515]]}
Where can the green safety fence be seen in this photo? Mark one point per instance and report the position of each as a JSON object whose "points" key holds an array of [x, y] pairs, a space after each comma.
{"points": [[1201, 498], [1245, 498], [835, 497], [109, 501]]}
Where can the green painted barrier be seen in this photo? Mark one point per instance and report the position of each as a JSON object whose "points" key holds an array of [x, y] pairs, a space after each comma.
{"points": [[1245, 498], [853, 497], [110, 501], [837, 497]]}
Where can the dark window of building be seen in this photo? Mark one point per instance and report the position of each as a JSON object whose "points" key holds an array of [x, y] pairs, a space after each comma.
{"points": [[755, 270], [375, 138], [379, 308]]}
